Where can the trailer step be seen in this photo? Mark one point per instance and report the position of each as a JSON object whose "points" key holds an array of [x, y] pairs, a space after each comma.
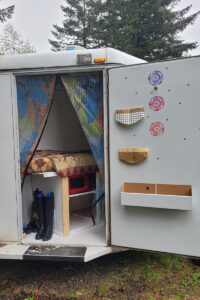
{"points": [[58, 253]]}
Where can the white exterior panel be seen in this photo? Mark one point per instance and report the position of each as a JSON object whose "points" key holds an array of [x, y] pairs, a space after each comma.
{"points": [[8, 190], [173, 158]]}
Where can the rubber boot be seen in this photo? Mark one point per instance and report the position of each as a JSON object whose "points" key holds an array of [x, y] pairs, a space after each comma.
{"points": [[49, 212], [39, 200]]}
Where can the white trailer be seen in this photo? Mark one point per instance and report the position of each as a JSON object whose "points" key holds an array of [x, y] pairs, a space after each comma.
{"points": [[151, 159]]}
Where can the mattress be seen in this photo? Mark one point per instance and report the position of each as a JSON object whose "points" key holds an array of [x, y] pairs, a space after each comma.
{"points": [[64, 164]]}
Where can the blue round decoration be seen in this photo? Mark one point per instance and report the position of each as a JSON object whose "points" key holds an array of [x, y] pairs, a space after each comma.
{"points": [[155, 78]]}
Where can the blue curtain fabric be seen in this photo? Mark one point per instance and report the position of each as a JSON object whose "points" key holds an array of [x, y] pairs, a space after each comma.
{"points": [[85, 91], [34, 98]]}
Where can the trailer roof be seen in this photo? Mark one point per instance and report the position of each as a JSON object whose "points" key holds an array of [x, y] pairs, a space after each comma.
{"points": [[65, 58]]}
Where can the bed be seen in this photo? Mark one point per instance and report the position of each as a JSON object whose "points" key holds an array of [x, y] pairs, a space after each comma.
{"points": [[65, 164]]}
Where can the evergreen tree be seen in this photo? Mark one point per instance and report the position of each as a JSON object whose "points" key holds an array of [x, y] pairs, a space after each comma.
{"points": [[145, 28], [79, 24], [11, 42], [6, 13]]}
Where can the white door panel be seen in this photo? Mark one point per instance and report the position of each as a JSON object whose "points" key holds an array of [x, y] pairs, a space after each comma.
{"points": [[173, 158], [8, 193]]}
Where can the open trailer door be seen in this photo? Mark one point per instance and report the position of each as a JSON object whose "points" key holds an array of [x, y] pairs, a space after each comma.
{"points": [[154, 120], [8, 186]]}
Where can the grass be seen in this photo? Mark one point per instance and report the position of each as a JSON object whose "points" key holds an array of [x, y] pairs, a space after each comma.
{"points": [[128, 275]]}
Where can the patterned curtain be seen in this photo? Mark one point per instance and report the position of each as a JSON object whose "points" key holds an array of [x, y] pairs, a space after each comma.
{"points": [[85, 91], [34, 98]]}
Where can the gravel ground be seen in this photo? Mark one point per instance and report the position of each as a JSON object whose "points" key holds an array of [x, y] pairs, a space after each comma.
{"points": [[127, 275]]}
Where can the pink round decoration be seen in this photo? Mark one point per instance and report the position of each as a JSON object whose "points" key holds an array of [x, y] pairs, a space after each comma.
{"points": [[157, 128], [156, 103]]}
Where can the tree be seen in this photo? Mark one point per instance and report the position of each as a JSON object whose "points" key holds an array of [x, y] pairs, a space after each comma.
{"points": [[6, 13], [148, 29], [11, 42], [145, 28], [79, 24]]}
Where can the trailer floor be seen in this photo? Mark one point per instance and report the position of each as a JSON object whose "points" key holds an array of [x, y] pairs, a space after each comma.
{"points": [[82, 233], [128, 275]]}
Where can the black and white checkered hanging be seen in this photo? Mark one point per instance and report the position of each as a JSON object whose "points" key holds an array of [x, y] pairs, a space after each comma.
{"points": [[129, 117]]}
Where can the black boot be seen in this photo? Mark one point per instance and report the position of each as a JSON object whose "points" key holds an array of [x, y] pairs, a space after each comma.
{"points": [[33, 225], [49, 212], [39, 200]]}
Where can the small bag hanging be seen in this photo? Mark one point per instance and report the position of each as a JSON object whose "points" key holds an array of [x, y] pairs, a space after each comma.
{"points": [[129, 116], [133, 155]]}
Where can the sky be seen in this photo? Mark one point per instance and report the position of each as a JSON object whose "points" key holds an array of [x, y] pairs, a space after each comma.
{"points": [[33, 19]]}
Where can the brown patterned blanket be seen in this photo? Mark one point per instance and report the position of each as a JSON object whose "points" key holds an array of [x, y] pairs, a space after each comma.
{"points": [[64, 164]]}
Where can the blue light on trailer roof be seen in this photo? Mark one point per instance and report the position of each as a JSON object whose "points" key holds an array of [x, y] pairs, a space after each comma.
{"points": [[70, 48]]}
